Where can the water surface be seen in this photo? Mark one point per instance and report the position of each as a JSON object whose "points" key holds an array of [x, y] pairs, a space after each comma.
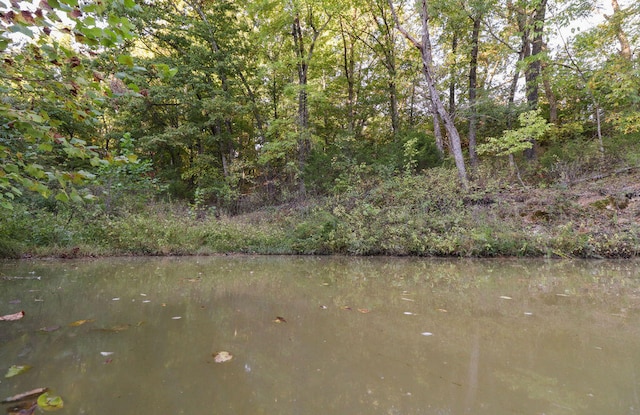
{"points": [[325, 335]]}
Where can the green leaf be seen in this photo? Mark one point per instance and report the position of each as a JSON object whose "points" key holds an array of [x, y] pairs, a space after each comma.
{"points": [[50, 402], [126, 60], [129, 4], [62, 197], [16, 370]]}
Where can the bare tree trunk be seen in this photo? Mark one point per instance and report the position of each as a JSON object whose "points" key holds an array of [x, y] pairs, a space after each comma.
{"points": [[348, 64], [625, 48], [437, 128], [533, 71], [551, 97], [304, 57], [473, 84], [452, 76], [427, 60]]}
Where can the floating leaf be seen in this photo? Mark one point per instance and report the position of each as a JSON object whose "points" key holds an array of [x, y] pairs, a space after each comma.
{"points": [[25, 395], [279, 320], [49, 329], [50, 402], [16, 370], [222, 357], [115, 329], [12, 317], [364, 310], [80, 322]]}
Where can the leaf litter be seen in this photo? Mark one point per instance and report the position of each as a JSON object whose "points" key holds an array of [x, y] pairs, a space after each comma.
{"points": [[12, 317]]}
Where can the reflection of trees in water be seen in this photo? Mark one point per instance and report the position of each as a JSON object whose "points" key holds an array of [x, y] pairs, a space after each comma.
{"points": [[331, 360]]}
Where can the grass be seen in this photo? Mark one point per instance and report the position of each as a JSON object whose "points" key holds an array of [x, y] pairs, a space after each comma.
{"points": [[426, 215]]}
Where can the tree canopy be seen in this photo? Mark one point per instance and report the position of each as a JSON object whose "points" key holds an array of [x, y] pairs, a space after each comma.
{"points": [[234, 104]]}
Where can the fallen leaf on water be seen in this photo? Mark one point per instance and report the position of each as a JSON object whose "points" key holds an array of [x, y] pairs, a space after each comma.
{"points": [[222, 357], [80, 322], [364, 310], [12, 317], [16, 370], [115, 329], [279, 320], [49, 329], [25, 395], [50, 402], [505, 297]]}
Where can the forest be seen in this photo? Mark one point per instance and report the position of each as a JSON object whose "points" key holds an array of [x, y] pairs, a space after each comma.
{"points": [[441, 127]]}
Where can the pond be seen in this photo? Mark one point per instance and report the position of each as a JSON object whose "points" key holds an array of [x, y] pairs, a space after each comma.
{"points": [[324, 335]]}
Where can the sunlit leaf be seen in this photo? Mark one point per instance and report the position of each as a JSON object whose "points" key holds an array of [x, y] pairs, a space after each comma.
{"points": [[12, 317], [16, 370], [125, 60], [50, 402], [222, 357], [80, 322]]}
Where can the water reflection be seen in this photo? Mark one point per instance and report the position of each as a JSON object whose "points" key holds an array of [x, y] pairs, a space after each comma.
{"points": [[360, 336]]}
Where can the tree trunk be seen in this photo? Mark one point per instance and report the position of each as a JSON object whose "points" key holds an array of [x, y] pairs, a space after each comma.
{"points": [[625, 48], [427, 60], [452, 76], [533, 69], [348, 65], [304, 143], [304, 56], [473, 84], [551, 97]]}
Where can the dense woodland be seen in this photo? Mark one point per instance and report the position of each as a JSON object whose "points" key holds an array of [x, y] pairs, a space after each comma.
{"points": [[112, 108]]}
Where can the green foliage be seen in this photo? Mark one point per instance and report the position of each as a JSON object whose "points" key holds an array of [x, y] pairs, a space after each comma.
{"points": [[532, 127], [51, 97]]}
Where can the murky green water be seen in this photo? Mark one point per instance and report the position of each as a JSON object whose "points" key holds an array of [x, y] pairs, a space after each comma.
{"points": [[360, 336]]}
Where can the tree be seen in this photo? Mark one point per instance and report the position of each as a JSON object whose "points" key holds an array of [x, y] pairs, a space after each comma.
{"points": [[53, 95], [424, 46]]}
